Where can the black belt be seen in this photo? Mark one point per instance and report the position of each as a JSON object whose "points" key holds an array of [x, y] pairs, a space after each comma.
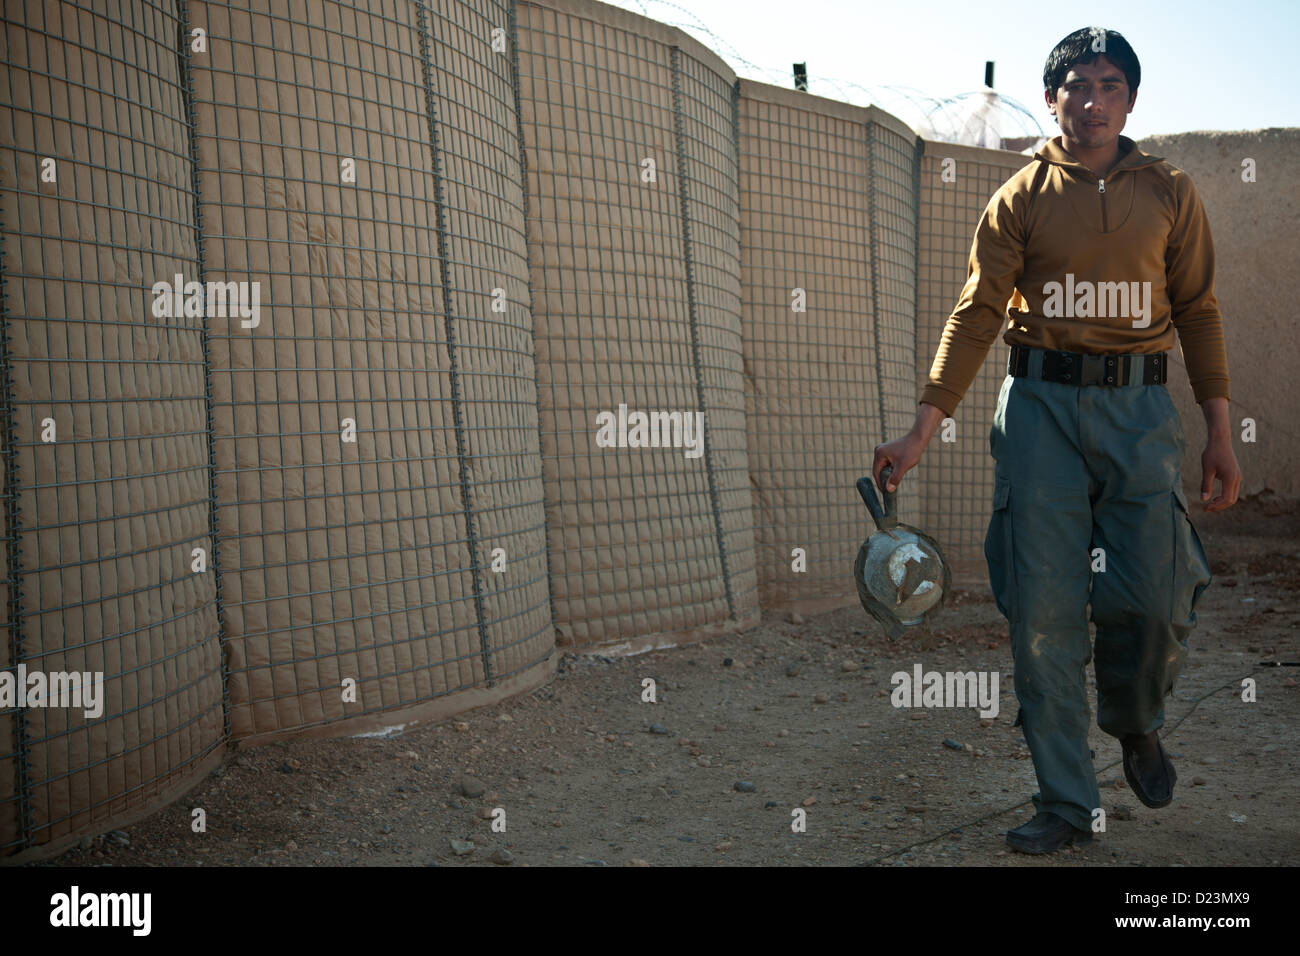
{"points": [[1077, 368]]}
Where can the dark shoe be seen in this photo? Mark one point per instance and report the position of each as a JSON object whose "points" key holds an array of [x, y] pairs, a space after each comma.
{"points": [[1046, 833], [1148, 769]]}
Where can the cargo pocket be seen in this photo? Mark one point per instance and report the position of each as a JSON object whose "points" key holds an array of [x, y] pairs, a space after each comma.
{"points": [[1191, 567], [999, 551]]}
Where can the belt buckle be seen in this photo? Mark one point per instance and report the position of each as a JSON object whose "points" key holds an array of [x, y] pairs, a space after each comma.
{"points": [[1092, 371]]}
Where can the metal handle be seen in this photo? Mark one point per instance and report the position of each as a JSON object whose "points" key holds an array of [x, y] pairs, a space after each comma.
{"points": [[885, 517]]}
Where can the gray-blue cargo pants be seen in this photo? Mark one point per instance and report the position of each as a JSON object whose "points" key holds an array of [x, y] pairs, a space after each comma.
{"points": [[1081, 468]]}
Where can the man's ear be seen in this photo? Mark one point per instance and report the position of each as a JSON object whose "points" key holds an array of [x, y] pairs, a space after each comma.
{"points": [[1050, 100], [1131, 100]]}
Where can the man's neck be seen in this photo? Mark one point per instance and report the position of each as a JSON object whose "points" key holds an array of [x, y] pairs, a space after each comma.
{"points": [[1098, 161]]}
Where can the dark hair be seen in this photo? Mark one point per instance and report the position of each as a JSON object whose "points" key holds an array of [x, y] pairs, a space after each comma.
{"points": [[1078, 47]]}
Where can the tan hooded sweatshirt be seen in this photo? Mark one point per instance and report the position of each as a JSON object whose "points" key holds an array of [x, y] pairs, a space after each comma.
{"points": [[1083, 264]]}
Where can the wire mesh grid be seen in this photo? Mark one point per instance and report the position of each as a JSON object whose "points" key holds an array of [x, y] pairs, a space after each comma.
{"points": [[632, 317], [105, 411], [473, 81], [894, 236], [325, 176], [706, 107], [826, 199], [956, 476]]}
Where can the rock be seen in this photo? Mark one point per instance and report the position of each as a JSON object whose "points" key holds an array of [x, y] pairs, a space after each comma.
{"points": [[291, 846], [951, 744], [792, 694], [471, 787], [849, 666], [506, 719], [502, 857], [723, 847], [1199, 781], [1207, 760], [770, 804], [219, 772], [727, 662], [1289, 682], [485, 813], [119, 837], [783, 732], [409, 755], [461, 847], [658, 729], [636, 861], [986, 723], [794, 617], [744, 786], [462, 726], [386, 828], [1120, 812], [792, 669], [808, 801], [86, 843], [820, 699]]}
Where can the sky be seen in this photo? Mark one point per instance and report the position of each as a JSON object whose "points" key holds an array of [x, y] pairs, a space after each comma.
{"points": [[1227, 65]]}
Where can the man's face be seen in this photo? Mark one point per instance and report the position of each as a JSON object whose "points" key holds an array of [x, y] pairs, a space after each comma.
{"points": [[1093, 103]]}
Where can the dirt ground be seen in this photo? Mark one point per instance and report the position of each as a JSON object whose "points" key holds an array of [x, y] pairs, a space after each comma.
{"points": [[800, 709]]}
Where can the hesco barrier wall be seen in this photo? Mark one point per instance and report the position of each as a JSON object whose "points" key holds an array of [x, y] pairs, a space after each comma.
{"points": [[375, 434], [634, 253], [473, 227], [955, 476], [104, 422], [828, 239]]}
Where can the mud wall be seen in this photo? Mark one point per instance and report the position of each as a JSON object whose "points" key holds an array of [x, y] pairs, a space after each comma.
{"points": [[1256, 227]]}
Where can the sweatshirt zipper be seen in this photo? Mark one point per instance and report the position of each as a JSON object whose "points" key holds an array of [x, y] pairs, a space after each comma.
{"points": [[1101, 192]]}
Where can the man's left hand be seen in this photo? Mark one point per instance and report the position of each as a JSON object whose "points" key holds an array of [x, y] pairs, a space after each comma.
{"points": [[1219, 461]]}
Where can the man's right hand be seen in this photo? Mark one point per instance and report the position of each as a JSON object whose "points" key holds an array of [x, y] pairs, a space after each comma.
{"points": [[903, 453]]}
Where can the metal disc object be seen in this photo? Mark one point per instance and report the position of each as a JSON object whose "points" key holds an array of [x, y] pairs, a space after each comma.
{"points": [[900, 571]]}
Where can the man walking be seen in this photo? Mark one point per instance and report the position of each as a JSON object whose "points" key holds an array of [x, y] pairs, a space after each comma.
{"points": [[1099, 255]]}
